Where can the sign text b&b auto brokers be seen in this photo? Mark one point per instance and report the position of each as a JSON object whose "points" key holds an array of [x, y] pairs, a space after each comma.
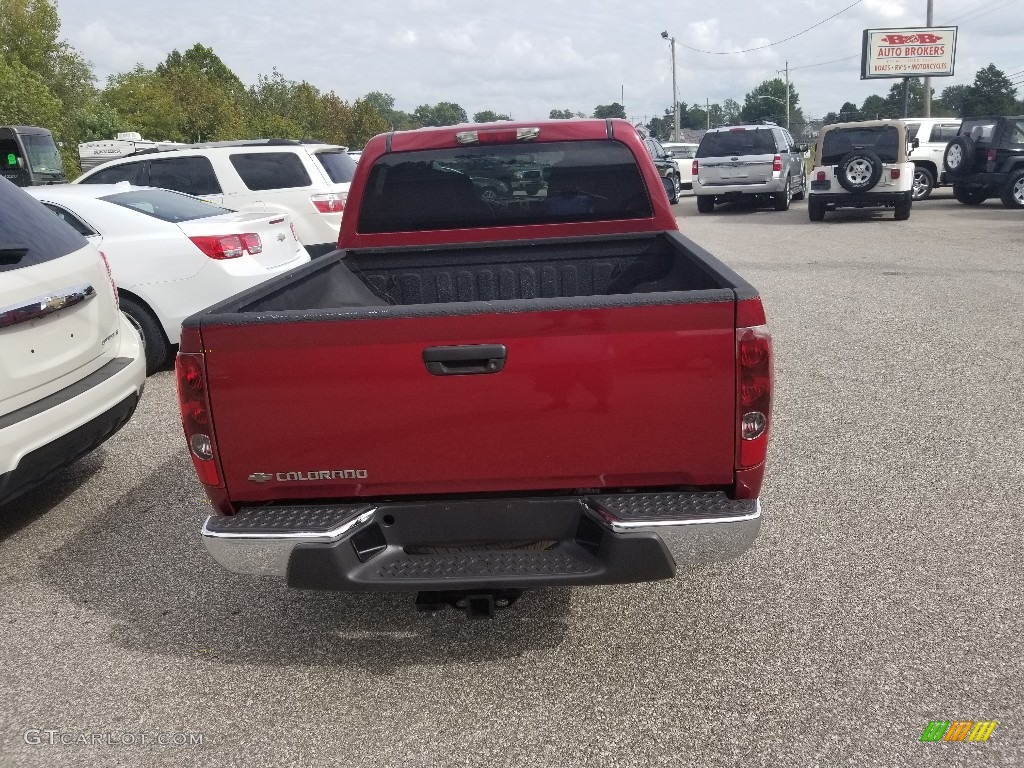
{"points": [[908, 52]]}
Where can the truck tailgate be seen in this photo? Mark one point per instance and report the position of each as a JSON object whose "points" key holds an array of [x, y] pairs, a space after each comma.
{"points": [[591, 398]]}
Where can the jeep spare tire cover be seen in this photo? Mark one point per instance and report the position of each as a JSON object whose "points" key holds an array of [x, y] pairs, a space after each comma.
{"points": [[860, 170], [959, 156]]}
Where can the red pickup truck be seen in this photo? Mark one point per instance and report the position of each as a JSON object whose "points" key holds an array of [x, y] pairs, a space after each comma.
{"points": [[478, 394]]}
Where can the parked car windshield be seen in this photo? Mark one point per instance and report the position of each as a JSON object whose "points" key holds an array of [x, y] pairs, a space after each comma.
{"points": [[339, 165], [737, 141], [883, 140], [42, 153], [164, 205], [498, 185]]}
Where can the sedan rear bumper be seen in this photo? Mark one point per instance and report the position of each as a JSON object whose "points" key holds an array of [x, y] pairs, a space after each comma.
{"points": [[484, 543]]}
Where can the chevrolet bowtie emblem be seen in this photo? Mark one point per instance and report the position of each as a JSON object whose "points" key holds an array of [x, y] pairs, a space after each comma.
{"points": [[260, 477]]}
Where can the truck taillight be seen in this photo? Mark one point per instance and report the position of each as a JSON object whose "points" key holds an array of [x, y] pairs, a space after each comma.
{"points": [[753, 394], [228, 246], [777, 163], [330, 203], [194, 401], [693, 170]]}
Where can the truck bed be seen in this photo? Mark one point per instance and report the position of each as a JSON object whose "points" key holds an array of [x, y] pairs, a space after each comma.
{"points": [[500, 272]]}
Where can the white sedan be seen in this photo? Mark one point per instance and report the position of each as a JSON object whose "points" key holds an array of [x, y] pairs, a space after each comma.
{"points": [[172, 255]]}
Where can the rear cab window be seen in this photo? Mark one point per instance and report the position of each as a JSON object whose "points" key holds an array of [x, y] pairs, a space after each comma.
{"points": [[270, 170], [29, 233], [882, 140], [480, 186], [736, 142]]}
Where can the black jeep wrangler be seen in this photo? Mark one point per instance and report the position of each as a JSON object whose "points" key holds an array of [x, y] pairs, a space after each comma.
{"points": [[985, 159]]}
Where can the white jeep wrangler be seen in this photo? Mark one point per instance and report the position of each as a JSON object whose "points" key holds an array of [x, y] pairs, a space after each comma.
{"points": [[861, 165]]}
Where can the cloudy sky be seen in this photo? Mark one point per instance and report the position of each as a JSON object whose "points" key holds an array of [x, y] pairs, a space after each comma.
{"points": [[527, 57]]}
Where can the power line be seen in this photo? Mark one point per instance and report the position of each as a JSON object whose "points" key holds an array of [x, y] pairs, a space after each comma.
{"points": [[823, 63], [970, 17], [777, 42]]}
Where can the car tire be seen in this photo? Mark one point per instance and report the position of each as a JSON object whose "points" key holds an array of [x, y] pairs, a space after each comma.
{"points": [[903, 207], [815, 208], [1012, 193], [958, 159], [859, 171], [674, 197], [970, 195], [783, 198], [154, 342], [924, 183], [705, 203]]}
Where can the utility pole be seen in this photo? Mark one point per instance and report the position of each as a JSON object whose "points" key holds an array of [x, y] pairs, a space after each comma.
{"points": [[786, 70], [926, 103], [675, 98], [707, 110]]}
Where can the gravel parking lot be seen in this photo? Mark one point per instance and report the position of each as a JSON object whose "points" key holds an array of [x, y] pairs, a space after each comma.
{"points": [[885, 590]]}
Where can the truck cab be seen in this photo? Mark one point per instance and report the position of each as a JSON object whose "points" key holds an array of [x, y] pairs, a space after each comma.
{"points": [[29, 156]]}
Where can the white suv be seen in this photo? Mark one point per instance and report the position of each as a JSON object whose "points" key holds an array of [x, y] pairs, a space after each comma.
{"points": [[861, 165], [308, 181], [933, 135], [71, 365]]}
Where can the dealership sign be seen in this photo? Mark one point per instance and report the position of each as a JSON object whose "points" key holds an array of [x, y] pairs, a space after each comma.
{"points": [[908, 52]]}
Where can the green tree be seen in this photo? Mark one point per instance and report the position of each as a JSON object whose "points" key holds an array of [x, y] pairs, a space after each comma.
{"points": [[991, 93], [145, 103], [24, 97], [384, 103], [875, 107], [204, 60], [489, 116], [30, 34], [610, 110], [768, 102], [731, 110], [443, 113]]}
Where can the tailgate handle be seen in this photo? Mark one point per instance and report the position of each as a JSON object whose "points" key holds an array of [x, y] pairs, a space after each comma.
{"points": [[469, 358]]}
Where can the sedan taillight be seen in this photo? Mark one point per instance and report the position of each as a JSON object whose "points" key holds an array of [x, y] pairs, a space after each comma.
{"points": [[228, 246]]}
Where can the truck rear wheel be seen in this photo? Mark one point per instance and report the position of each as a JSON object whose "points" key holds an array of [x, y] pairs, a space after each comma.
{"points": [[783, 198], [815, 208], [705, 203]]}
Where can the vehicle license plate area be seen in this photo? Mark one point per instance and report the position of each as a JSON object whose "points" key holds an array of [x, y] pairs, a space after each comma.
{"points": [[821, 186]]}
